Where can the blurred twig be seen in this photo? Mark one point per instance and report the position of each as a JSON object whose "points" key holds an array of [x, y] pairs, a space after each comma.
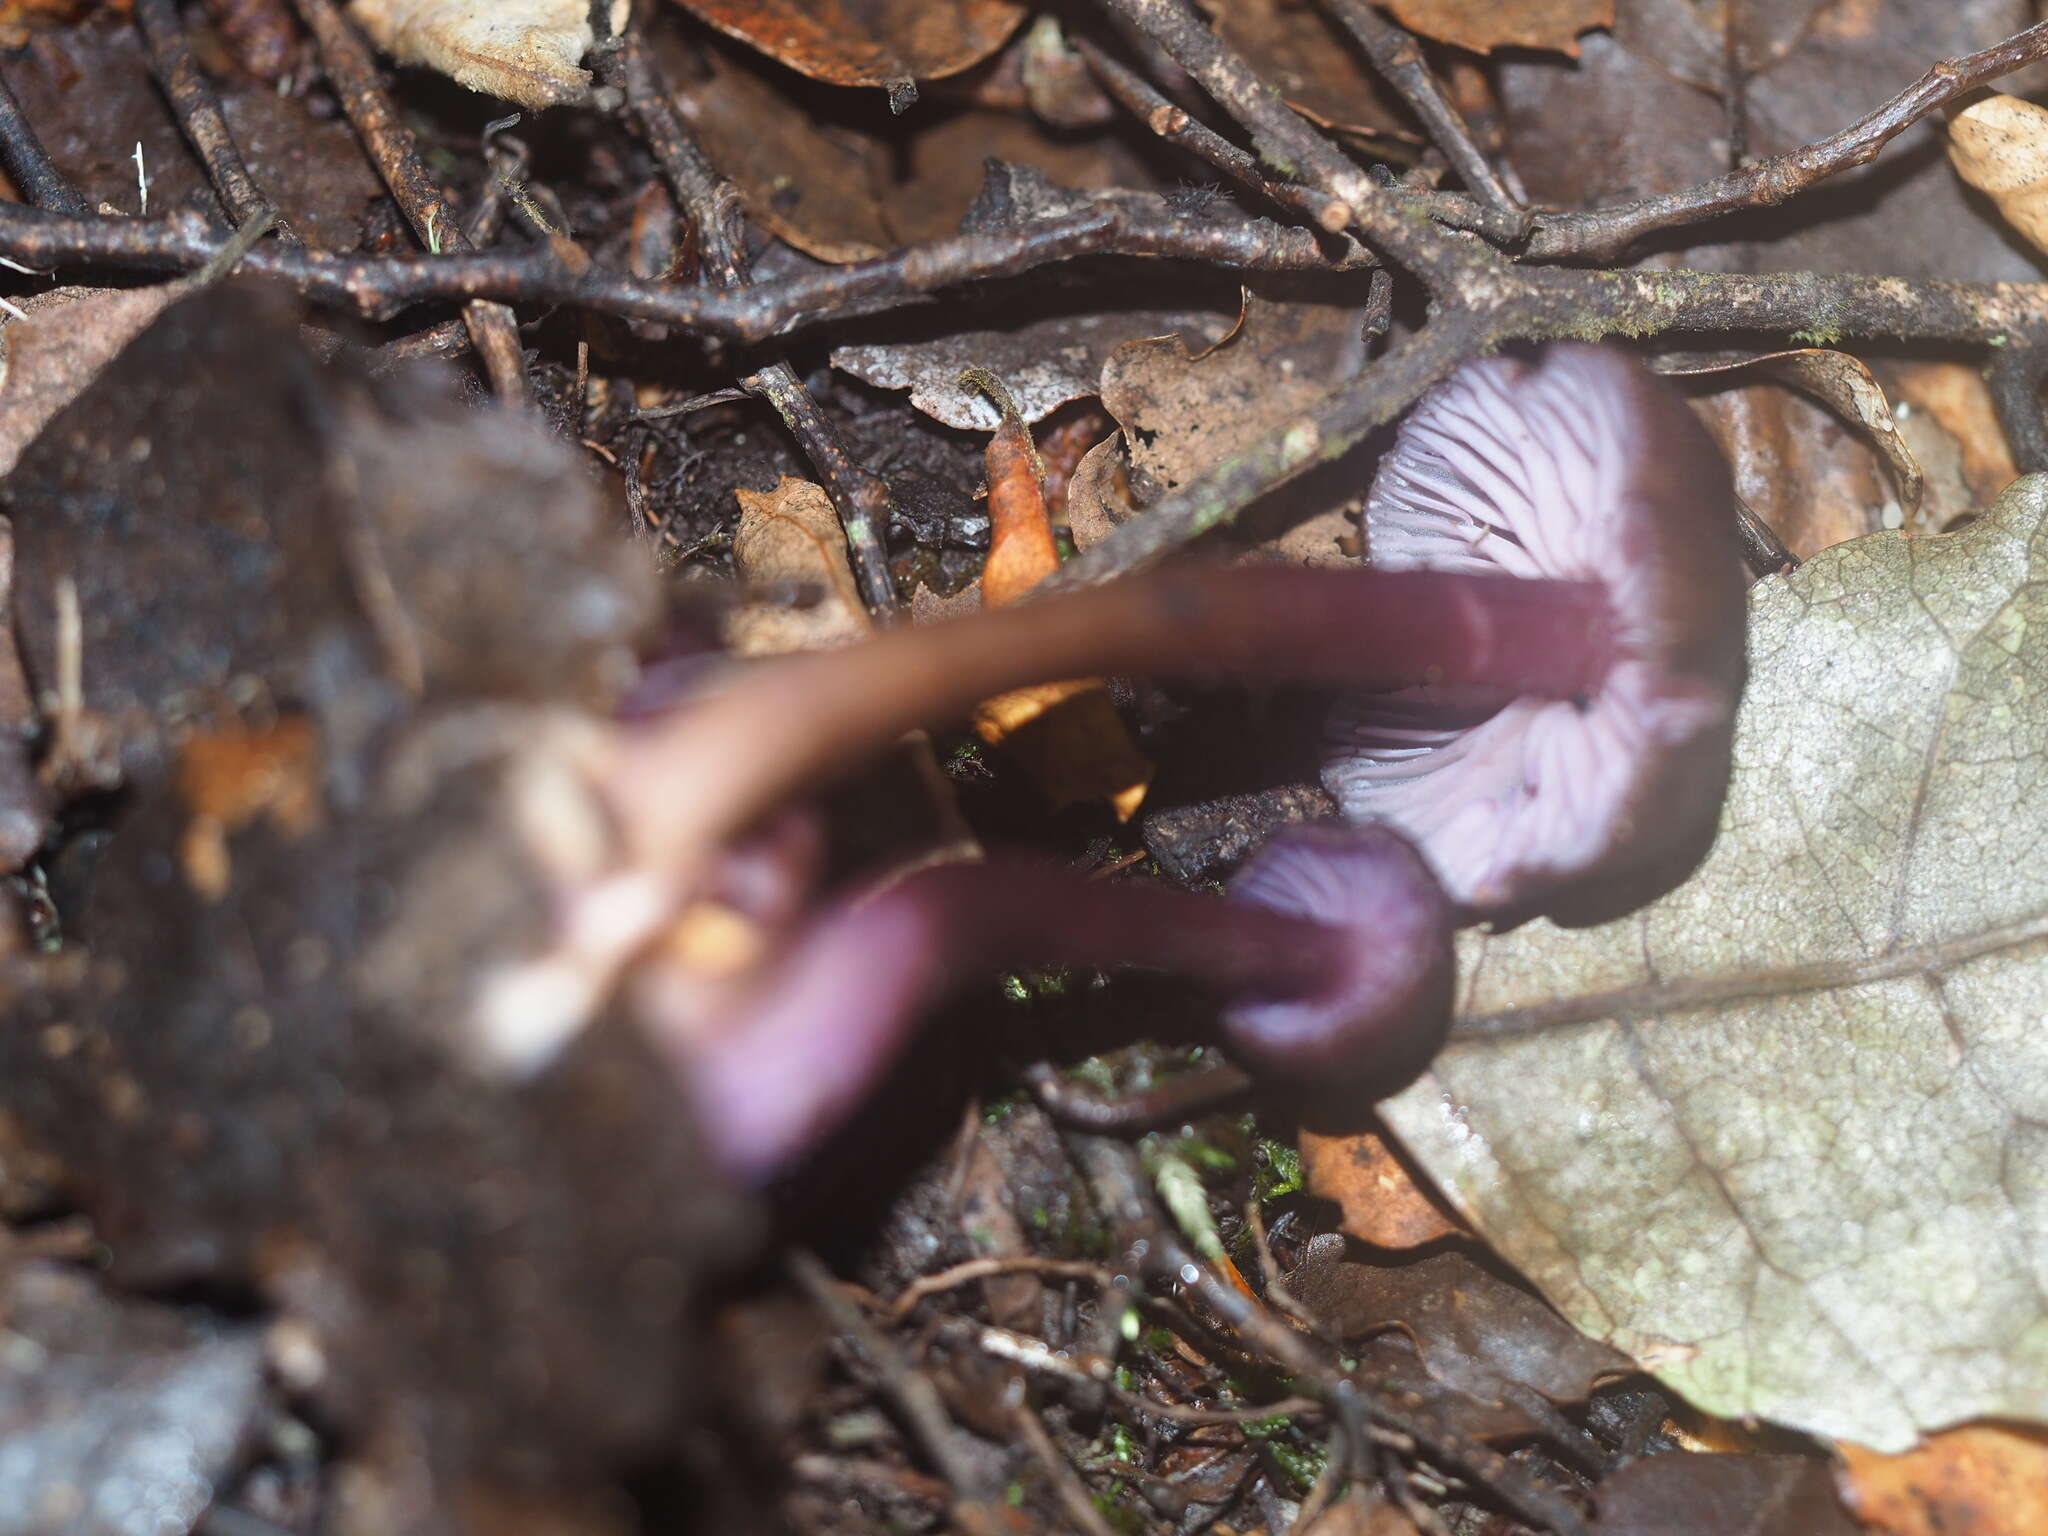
{"points": [[353, 74]]}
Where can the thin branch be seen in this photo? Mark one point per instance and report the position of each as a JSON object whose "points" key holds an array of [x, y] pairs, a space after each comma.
{"points": [[1178, 126], [1398, 58], [353, 74], [34, 172], [2015, 378], [714, 207], [1603, 234], [382, 287], [198, 110]]}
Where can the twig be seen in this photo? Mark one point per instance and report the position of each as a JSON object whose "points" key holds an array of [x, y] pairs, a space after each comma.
{"points": [[1117, 1180], [2015, 379], [913, 1395], [980, 1269], [1178, 126], [353, 74], [712, 204], [1762, 550], [384, 286], [1399, 60], [199, 115], [1074, 1103], [30, 164], [1073, 1493], [1603, 234]]}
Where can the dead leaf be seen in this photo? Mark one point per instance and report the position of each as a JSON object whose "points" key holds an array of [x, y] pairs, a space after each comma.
{"points": [[1098, 495], [1045, 362], [1183, 408], [2000, 147], [1312, 62], [1946, 416], [1777, 1134], [1727, 1495], [790, 539], [808, 184], [527, 51], [1474, 1332], [1380, 1200], [1484, 25], [1693, 40], [1979, 1480], [1797, 465], [1846, 385], [1068, 734], [57, 346], [890, 43]]}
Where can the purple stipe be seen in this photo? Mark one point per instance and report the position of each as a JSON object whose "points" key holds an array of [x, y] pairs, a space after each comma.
{"points": [[1377, 1022], [788, 1062], [1578, 466]]}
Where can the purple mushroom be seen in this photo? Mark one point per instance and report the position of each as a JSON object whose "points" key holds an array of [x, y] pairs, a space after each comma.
{"points": [[1554, 628], [1574, 464], [1332, 952]]}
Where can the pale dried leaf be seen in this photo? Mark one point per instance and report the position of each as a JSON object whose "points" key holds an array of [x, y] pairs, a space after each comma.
{"points": [[526, 51], [2000, 147], [790, 552], [1779, 1135], [1045, 363]]}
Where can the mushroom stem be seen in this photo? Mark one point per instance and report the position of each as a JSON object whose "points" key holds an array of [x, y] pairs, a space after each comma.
{"points": [[686, 786], [1365, 957]]}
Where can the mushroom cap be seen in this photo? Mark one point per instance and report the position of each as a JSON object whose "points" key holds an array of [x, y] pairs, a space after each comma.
{"points": [[1570, 463], [1386, 1009]]}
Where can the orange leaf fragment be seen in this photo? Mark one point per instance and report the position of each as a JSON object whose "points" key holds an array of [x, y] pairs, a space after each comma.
{"points": [[1977, 1480], [1382, 1204], [1484, 25], [1069, 735], [889, 43]]}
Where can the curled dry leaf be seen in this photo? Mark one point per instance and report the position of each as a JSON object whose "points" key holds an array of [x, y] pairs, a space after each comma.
{"points": [[527, 51], [1484, 25], [1979, 1480], [890, 43], [1778, 1134], [1067, 733], [1844, 384], [57, 346], [2000, 147], [790, 551]]}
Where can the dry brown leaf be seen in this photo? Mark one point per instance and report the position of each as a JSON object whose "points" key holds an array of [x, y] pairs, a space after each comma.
{"points": [[1979, 1480], [1727, 1495], [805, 183], [1947, 417], [1380, 1200], [789, 549], [1312, 63], [59, 344], [1098, 494], [2000, 147], [1797, 466], [890, 43], [1184, 408], [1484, 25], [1846, 385], [1068, 734], [526, 51]]}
